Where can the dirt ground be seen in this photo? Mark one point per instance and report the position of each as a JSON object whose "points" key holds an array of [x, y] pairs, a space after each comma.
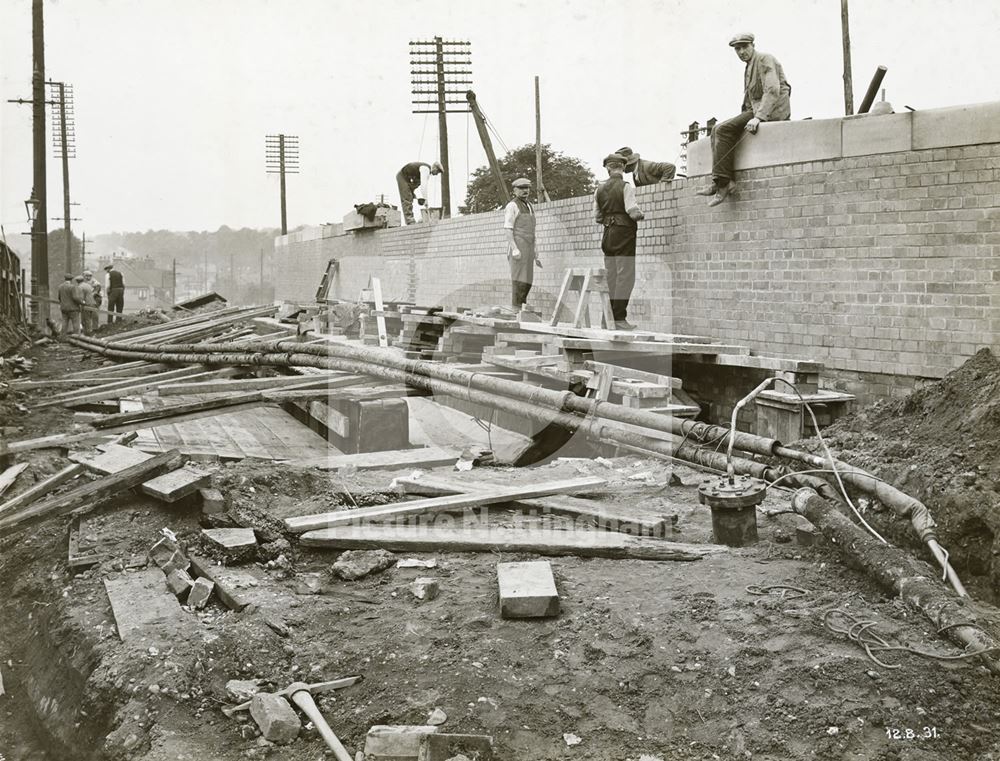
{"points": [[646, 660]]}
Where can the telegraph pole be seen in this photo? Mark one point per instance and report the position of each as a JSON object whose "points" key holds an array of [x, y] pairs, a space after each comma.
{"points": [[40, 228], [848, 77], [435, 66], [64, 145], [281, 155], [540, 191]]}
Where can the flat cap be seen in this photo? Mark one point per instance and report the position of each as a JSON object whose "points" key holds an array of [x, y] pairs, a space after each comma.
{"points": [[521, 182], [87, 272], [108, 267], [745, 38], [614, 158]]}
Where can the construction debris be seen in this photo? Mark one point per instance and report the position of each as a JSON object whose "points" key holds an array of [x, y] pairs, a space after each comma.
{"points": [[527, 590], [425, 588], [356, 564], [276, 718]]}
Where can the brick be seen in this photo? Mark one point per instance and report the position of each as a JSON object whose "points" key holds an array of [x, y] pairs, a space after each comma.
{"points": [[527, 590], [276, 718], [212, 501], [200, 593], [179, 582]]}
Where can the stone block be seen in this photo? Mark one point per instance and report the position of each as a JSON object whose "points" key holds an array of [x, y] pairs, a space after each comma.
{"points": [[212, 501], [442, 747], [276, 718], [790, 143], [179, 582], [867, 134], [231, 540], [200, 593], [425, 588], [975, 124], [168, 556], [527, 590], [394, 742], [356, 564]]}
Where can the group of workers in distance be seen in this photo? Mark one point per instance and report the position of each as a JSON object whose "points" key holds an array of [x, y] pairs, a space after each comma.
{"points": [[80, 299], [766, 98]]}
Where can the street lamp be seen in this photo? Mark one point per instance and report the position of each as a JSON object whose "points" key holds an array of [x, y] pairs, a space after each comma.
{"points": [[31, 206]]}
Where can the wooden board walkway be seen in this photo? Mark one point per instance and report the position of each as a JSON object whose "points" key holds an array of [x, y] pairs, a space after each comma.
{"points": [[266, 432]]}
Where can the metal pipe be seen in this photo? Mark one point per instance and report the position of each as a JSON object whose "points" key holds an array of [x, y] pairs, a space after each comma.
{"points": [[869, 98]]}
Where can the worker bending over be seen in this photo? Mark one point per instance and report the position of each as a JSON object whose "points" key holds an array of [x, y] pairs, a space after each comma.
{"points": [[646, 172], [410, 179]]}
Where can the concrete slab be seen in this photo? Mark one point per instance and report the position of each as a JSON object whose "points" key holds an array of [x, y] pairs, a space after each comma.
{"points": [[527, 590], [230, 539], [960, 125], [866, 134], [791, 143], [699, 158], [142, 605]]}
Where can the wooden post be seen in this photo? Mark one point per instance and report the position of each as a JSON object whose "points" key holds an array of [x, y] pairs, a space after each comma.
{"points": [[40, 228], [540, 191], [848, 79], [443, 131]]}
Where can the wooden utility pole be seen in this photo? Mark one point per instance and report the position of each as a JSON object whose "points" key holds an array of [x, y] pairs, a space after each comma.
{"points": [[281, 154], [434, 70], [173, 284], [848, 78], [540, 191], [65, 149], [40, 228]]}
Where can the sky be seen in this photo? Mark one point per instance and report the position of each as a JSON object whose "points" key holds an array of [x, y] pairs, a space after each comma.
{"points": [[174, 98]]}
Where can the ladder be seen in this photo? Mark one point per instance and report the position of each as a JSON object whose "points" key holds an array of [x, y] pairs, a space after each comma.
{"points": [[584, 282]]}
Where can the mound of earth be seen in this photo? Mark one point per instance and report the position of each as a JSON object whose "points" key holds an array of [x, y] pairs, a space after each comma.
{"points": [[941, 444]]}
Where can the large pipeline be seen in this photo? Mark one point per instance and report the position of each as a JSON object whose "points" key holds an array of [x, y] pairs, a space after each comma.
{"points": [[374, 360]]}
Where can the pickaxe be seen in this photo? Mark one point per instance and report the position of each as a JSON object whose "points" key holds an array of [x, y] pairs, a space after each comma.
{"points": [[300, 693], [315, 689]]}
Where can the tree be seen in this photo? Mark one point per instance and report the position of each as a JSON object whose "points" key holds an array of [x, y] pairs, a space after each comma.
{"points": [[564, 176]]}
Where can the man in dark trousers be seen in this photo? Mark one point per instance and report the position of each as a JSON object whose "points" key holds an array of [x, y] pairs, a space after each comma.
{"points": [[766, 98], [409, 179], [646, 172], [519, 227], [616, 209], [116, 292], [69, 304]]}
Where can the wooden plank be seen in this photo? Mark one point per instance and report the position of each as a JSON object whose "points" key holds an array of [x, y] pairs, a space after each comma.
{"points": [[765, 363], [90, 382], [9, 476], [426, 457], [89, 495], [176, 484], [148, 416], [648, 347], [114, 459], [321, 394], [138, 366], [603, 334], [42, 488], [245, 384], [481, 498], [631, 373], [593, 511], [120, 388], [75, 558], [538, 541], [376, 285], [527, 589]]}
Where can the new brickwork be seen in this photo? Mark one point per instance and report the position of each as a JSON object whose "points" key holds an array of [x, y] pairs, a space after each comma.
{"points": [[883, 267]]}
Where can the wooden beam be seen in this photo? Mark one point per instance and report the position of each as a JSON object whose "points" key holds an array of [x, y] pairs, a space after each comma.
{"points": [[42, 488], [598, 513], [649, 347], [245, 384], [580, 543], [10, 475], [123, 384], [426, 457], [145, 418], [439, 504], [90, 495]]}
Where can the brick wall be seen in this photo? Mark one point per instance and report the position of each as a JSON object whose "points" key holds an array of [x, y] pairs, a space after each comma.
{"points": [[883, 265]]}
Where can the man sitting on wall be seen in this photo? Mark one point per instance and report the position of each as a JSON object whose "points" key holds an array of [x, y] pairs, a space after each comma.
{"points": [[766, 98]]}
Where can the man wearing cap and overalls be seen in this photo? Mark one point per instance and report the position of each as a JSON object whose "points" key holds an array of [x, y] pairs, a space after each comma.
{"points": [[616, 209], [519, 226], [766, 98], [408, 179]]}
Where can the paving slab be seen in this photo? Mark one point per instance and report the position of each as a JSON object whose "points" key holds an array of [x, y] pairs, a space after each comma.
{"points": [[142, 605], [527, 590]]}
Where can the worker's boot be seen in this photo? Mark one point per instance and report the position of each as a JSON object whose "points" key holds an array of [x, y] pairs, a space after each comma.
{"points": [[722, 194], [711, 190]]}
